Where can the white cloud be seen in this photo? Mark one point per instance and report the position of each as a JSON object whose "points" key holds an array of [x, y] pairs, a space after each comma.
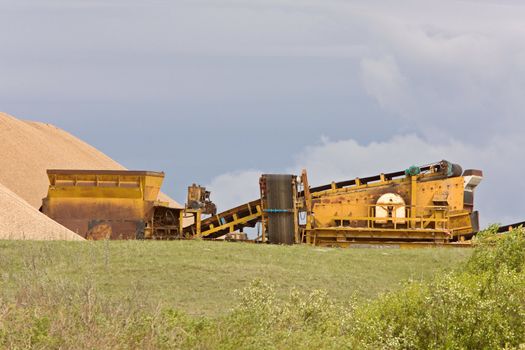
{"points": [[235, 188]]}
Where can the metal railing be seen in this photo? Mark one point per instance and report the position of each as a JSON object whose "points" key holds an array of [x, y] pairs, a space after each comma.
{"points": [[416, 217]]}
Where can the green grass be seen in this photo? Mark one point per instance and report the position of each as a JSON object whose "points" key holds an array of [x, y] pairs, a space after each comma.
{"points": [[205, 295], [200, 278]]}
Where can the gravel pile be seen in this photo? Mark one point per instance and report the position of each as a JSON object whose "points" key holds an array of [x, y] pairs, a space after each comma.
{"points": [[19, 220]]}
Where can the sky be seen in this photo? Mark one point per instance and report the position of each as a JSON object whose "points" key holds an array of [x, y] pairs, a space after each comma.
{"points": [[219, 92]]}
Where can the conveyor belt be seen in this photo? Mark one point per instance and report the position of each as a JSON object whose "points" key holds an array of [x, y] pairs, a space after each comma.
{"points": [[507, 228], [365, 180], [246, 215]]}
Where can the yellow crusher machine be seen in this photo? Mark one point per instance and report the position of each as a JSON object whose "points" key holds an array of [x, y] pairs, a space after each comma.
{"points": [[111, 204], [431, 204]]}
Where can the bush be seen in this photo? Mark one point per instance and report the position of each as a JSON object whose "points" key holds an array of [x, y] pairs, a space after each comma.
{"points": [[481, 307], [496, 251]]}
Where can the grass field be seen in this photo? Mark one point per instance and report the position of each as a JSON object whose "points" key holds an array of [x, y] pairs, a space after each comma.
{"points": [[211, 295], [200, 278]]}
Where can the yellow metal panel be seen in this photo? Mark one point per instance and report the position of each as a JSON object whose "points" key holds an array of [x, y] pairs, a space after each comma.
{"points": [[121, 201], [357, 202], [105, 184], [95, 192]]}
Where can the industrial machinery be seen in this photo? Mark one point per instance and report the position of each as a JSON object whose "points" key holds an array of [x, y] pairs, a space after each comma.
{"points": [[431, 204], [426, 205], [227, 222], [104, 204], [199, 198]]}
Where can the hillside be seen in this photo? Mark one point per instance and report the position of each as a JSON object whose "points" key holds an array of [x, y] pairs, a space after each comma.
{"points": [[201, 277], [219, 295]]}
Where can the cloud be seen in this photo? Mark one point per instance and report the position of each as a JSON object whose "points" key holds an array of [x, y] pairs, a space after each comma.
{"points": [[498, 197], [383, 80], [235, 188], [459, 62], [443, 75]]}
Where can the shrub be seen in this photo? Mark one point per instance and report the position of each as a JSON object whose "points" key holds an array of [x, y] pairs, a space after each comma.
{"points": [[480, 307]]}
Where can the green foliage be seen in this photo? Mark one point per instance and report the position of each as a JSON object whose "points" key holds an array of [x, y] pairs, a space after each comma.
{"points": [[299, 321], [497, 251], [481, 307], [452, 312]]}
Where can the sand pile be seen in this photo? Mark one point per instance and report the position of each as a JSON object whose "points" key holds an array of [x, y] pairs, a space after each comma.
{"points": [[19, 220], [28, 149]]}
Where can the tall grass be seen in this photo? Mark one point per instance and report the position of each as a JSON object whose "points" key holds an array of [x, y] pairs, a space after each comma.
{"points": [[479, 306]]}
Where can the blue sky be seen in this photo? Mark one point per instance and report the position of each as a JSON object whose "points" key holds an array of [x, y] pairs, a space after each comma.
{"points": [[219, 92]]}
